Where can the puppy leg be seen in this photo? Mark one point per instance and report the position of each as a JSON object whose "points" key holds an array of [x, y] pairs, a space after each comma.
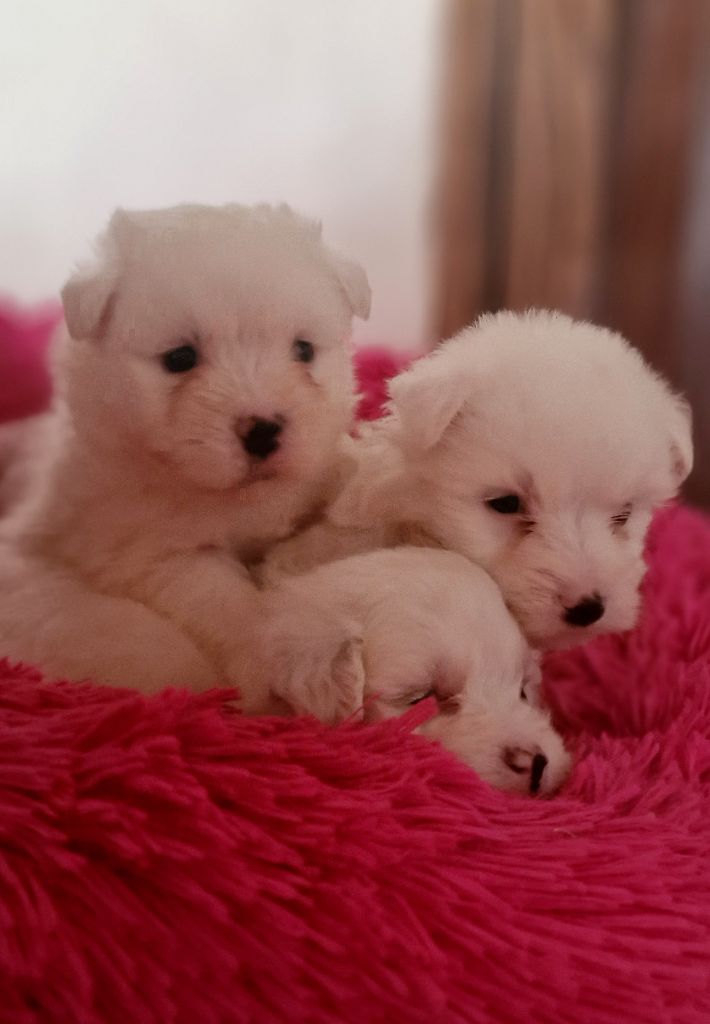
{"points": [[208, 595], [71, 632], [305, 656], [291, 647]]}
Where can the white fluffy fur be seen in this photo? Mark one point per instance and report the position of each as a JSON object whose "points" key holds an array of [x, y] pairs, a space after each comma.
{"points": [[564, 414], [23, 445], [120, 565], [419, 622]]}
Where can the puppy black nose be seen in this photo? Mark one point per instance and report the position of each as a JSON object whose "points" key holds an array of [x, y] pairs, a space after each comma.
{"points": [[587, 611], [539, 764], [262, 438]]}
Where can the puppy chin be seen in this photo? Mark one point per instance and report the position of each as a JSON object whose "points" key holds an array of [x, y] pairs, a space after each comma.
{"points": [[563, 639], [203, 468], [251, 479]]}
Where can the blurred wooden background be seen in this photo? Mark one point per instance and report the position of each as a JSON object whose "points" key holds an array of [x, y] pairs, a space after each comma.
{"points": [[575, 174]]}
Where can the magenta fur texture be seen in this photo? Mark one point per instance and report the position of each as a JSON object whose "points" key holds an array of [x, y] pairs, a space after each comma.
{"points": [[167, 860]]}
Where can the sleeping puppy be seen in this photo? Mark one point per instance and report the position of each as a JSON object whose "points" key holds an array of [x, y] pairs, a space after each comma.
{"points": [[421, 624], [204, 384], [537, 447]]}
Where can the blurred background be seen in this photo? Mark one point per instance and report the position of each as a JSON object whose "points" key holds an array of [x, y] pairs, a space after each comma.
{"points": [[472, 154], [325, 104]]}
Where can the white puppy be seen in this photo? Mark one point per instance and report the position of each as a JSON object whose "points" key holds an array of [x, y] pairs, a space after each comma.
{"points": [[422, 623], [537, 447], [204, 385]]}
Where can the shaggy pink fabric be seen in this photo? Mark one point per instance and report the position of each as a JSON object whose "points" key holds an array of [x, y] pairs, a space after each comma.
{"points": [[163, 860], [25, 385], [374, 367]]}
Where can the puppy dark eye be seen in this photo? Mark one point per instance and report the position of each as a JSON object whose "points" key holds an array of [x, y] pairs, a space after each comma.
{"points": [[180, 359], [506, 505], [523, 694], [622, 516], [303, 351], [420, 697]]}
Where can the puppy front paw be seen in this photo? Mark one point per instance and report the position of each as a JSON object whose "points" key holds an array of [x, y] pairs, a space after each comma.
{"points": [[303, 655], [328, 683]]}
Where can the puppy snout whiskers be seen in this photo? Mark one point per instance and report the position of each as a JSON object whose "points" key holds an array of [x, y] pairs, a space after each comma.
{"points": [[517, 759], [260, 438], [585, 612]]}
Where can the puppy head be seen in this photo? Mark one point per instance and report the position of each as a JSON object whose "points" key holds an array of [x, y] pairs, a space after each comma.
{"points": [[214, 340], [538, 447], [442, 631], [491, 722]]}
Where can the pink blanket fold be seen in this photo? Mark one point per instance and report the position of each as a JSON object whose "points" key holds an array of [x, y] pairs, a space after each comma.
{"points": [[25, 385]]}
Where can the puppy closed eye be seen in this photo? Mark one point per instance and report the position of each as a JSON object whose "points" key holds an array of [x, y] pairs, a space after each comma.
{"points": [[181, 359], [445, 705], [420, 697], [621, 518]]}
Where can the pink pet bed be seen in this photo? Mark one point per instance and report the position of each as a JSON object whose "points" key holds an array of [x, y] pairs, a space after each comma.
{"points": [[25, 385], [163, 860]]}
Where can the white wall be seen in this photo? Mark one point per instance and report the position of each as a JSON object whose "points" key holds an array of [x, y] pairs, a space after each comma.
{"points": [[326, 104]]}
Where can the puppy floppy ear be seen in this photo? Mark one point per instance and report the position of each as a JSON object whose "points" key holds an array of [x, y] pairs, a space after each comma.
{"points": [[428, 397], [353, 281], [89, 294], [681, 439]]}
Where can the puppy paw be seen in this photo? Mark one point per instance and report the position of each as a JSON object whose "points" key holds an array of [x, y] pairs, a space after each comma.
{"points": [[328, 684], [303, 655]]}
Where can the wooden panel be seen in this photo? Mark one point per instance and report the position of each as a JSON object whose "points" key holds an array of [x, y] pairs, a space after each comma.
{"points": [[459, 230], [691, 338], [559, 154], [656, 109], [659, 87]]}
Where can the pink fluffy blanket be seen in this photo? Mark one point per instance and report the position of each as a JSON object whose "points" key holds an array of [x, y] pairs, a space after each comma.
{"points": [[162, 860]]}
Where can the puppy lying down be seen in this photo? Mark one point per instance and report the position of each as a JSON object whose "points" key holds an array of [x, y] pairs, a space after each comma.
{"points": [[535, 446], [413, 623]]}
